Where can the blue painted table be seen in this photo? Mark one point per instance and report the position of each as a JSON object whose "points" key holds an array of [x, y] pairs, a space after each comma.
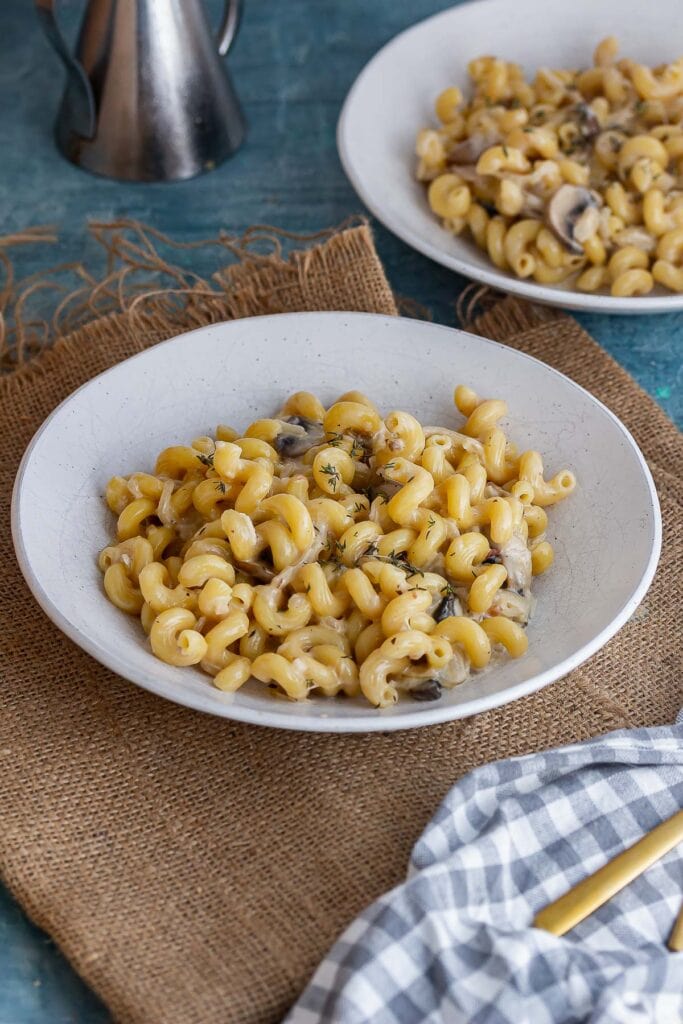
{"points": [[293, 64]]}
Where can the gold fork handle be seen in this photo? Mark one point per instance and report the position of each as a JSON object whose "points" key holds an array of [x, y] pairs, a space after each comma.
{"points": [[595, 890], [676, 938]]}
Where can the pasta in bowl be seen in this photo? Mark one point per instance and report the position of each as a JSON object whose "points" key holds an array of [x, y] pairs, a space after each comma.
{"points": [[574, 176], [393, 99], [179, 390], [335, 551]]}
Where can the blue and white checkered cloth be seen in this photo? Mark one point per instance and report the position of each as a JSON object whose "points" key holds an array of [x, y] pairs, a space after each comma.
{"points": [[454, 943]]}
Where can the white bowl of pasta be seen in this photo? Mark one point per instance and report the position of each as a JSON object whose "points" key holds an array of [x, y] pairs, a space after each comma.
{"points": [[515, 144], [326, 563]]}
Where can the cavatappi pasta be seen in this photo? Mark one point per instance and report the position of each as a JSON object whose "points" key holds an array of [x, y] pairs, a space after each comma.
{"points": [[576, 176], [336, 551]]}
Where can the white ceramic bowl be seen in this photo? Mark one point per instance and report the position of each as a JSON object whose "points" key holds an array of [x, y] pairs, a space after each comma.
{"points": [[393, 97], [607, 535]]}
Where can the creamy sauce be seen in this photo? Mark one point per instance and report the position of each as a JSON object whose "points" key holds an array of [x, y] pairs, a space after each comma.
{"points": [[311, 554], [516, 558]]}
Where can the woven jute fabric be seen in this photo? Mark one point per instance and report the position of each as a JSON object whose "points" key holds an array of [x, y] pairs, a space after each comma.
{"points": [[193, 869]]}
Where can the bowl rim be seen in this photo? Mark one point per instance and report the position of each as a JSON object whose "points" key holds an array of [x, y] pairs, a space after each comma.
{"points": [[381, 721], [498, 279]]}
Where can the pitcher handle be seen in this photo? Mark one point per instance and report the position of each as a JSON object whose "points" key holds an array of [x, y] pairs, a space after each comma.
{"points": [[229, 25], [75, 70]]}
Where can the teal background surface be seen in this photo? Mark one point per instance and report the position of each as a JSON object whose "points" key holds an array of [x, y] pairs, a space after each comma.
{"points": [[293, 64]]}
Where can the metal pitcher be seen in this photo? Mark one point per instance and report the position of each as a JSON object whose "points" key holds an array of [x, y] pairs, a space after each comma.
{"points": [[147, 96]]}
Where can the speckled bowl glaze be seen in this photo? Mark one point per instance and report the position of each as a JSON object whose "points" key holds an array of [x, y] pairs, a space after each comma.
{"points": [[393, 97], [606, 536]]}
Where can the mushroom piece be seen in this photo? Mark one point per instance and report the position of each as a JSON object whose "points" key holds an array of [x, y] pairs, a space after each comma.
{"points": [[573, 216], [589, 126], [446, 608], [297, 436], [258, 569], [426, 689], [516, 558], [532, 206], [470, 149], [468, 172]]}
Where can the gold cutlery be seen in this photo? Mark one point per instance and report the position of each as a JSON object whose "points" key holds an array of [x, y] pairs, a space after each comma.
{"points": [[561, 915], [676, 938]]}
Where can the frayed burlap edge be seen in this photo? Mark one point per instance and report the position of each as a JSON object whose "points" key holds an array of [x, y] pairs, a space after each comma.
{"points": [[141, 277]]}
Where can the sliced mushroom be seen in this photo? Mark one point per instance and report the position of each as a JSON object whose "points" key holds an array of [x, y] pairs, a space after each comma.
{"points": [[589, 126], [469, 150], [302, 421], [516, 558], [449, 606], [426, 689], [468, 172], [574, 215], [258, 569], [494, 557], [532, 205], [297, 436]]}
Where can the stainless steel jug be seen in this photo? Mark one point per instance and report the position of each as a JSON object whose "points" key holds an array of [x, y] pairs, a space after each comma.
{"points": [[147, 96]]}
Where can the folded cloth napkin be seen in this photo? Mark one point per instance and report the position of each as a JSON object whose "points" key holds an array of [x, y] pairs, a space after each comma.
{"points": [[454, 943]]}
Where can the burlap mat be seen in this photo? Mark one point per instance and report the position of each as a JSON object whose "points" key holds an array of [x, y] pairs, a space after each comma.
{"points": [[194, 870]]}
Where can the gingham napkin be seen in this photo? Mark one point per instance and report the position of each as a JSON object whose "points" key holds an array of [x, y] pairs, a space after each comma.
{"points": [[454, 943]]}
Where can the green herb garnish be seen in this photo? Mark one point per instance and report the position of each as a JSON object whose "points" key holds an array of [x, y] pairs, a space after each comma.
{"points": [[400, 563], [333, 473], [338, 440], [206, 458]]}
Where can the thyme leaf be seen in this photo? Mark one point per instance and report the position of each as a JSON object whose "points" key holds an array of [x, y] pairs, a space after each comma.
{"points": [[339, 548], [338, 440], [333, 473], [206, 458], [401, 563]]}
